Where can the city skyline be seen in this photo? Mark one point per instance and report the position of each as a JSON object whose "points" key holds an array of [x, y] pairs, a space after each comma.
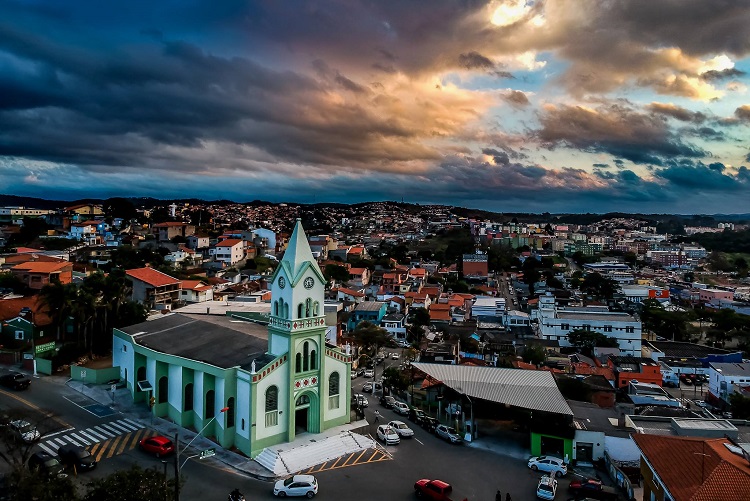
{"points": [[558, 106]]}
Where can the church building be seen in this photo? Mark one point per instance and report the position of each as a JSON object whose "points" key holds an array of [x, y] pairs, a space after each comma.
{"points": [[251, 386]]}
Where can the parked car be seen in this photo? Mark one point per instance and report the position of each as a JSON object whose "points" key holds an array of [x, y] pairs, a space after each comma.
{"points": [[416, 415], [369, 373], [361, 400], [400, 408], [591, 489], [429, 423], [435, 490], [394, 356], [388, 435], [76, 456], [24, 431], [354, 374], [387, 401], [549, 464], [157, 445], [546, 488], [402, 429], [298, 485], [367, 388], [15, 380], [46, 464], [448, 433]]}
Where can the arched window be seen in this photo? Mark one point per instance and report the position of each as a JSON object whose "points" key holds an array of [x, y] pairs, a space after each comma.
{"points": [[210, 404], [286, 310], [299, 310], [306, 356], [313, 360], [298, 362], [308, 307], [230, 412], [272, 406], [333, 390], [140, 374], [276, 308], [188, 398], [316, 308], [163, 389]]}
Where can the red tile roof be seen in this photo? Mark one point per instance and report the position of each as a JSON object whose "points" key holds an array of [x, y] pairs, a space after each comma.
{"points": [[10, 309], [696, 469], [229, 242], [26, 250], [195, 285], [357, 271], [349, 292], [169, 223], [43, 266], [152, 277]]}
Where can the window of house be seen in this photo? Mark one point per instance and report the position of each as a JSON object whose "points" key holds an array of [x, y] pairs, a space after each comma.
{"points": [[333, 390], [630, 329], [163, 389], [272, 406], [607, 328], [565, 327], [586, 327], [188, 399]]}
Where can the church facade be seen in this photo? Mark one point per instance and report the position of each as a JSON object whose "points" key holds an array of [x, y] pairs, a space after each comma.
{"points": [[248, 392]]}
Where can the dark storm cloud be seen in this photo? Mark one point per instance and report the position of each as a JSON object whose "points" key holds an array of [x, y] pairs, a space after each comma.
{"points": [[516, 97], [712, 75], [474, 60], [743, 113], [678, 112], [500, 157], [601, 166], [688, 174], [706, 133], [615, 129]]}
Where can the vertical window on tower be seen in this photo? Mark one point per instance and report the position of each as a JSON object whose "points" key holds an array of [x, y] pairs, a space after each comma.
{"points": [[333, 391], [299, 310], [272, 406], [306, 356], [298, 362], [316, 308], [276, 308], [313, 360], [308, 307]]}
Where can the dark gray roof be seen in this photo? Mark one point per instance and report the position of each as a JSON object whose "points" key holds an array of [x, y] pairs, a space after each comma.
{"points": [[520, 388], [678, 349], [235, 343]]}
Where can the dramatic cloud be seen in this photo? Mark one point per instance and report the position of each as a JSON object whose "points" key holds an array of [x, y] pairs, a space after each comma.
{"points": [[455, 100]]}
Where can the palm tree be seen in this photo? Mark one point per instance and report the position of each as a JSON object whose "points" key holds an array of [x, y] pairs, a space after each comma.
{"points": [[56, 300]]}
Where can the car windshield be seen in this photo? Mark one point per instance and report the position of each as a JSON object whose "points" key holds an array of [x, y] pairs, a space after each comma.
{"points": [[82, 453], [400, 426], [545, 488], [167, 444], [26, 428], [452, 431], [49, 463]]}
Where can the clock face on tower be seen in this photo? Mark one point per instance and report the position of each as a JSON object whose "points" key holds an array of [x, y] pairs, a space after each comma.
{"points": [[309, 282], [282, 282]]}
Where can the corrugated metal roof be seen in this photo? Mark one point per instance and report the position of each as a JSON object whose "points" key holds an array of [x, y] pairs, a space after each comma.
{"points": [[521, 388]]}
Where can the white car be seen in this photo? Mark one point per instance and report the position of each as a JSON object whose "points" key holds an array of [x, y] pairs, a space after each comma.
{"points": [[401, 408], [401, 428], [370, 373], [298, 485], [549, 464], [388, 435], [25, 431], [394, 356], [448, 433], [547, 488]]}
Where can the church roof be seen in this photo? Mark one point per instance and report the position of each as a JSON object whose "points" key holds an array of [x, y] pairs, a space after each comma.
{"points": [[298, 256]]}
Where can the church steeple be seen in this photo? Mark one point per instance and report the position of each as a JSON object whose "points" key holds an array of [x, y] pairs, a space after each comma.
{"points": [[298, 250]]}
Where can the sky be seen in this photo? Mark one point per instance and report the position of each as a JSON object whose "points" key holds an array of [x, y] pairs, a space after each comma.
{"points": [[514, 105]]}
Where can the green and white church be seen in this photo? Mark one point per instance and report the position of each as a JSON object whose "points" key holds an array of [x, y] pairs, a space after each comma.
{"points": [[274, 381]]}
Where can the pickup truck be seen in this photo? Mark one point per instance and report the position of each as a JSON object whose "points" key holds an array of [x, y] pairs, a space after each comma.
{"points": [[436, 490]]}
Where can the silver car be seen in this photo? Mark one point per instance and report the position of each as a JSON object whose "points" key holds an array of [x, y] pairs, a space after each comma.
{"points": [[448, 433], [402, 429], [550, 464]]}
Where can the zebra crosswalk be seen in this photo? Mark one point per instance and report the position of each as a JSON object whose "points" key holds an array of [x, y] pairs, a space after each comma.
{"points": [[89, 436]]}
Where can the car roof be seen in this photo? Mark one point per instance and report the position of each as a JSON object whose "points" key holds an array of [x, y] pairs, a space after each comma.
{"points": [[160, 438], [303, 478], [42, 455], [547, 480], [396, 421]]}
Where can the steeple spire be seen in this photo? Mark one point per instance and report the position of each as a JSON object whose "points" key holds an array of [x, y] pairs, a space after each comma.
{"points": [[298, 250]]}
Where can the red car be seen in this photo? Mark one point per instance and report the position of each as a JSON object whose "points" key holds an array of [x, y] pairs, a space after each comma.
{"points": [[158, 445], [591, 489]]}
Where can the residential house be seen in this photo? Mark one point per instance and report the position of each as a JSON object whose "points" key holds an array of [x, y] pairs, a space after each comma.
{"points": [[692, 468], [417, 300], [391, 282], [85, 210], [167, 231], [195, 291], [198, 241], [184, 256], [156, 290], [359, 277], [724, 379], [371, 311], [85, 231], [345, 294], [230, 251], [37, 274], [395, 324], [639, 369], [440, 313]]}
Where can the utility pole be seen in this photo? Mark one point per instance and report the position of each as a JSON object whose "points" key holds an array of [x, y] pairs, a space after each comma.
{"points": [[177, 467]]}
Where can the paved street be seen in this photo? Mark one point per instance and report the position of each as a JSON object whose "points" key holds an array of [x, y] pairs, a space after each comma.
{"points": [[374, 474]]}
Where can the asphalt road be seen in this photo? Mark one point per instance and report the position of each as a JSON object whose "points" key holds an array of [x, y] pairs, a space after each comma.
{"points": [[475, 474]]}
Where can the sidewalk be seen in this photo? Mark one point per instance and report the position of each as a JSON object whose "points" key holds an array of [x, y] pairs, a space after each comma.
{"points": [[140, 413]]}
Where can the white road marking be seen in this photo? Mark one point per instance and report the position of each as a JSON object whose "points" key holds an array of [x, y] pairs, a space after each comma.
{"points": [[418, 440]]}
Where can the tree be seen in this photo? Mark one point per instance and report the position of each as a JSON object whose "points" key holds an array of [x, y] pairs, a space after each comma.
{"points": [[56, 300], [533, 354], [135, 484], [370, 337], [336, 273], [393, 378], [740, 406], [25, 484], [588, 340], [599, 286], [10, 281]]}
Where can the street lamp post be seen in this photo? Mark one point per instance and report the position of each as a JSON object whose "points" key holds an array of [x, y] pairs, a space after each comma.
{"points": [[177, 466], [26, 310]]}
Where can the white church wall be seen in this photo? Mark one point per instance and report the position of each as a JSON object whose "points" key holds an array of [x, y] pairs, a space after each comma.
{"points": [[280, 379]]}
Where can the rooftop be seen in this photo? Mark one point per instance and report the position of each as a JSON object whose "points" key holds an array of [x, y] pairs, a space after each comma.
{"points": [[597, 315], [732, 369], [151, 277], [219, 341], [678, 349], [369, 306], [43, 266]]}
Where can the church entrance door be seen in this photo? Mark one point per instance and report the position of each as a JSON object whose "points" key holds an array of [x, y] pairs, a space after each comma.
{"points": [[301, 418]]}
